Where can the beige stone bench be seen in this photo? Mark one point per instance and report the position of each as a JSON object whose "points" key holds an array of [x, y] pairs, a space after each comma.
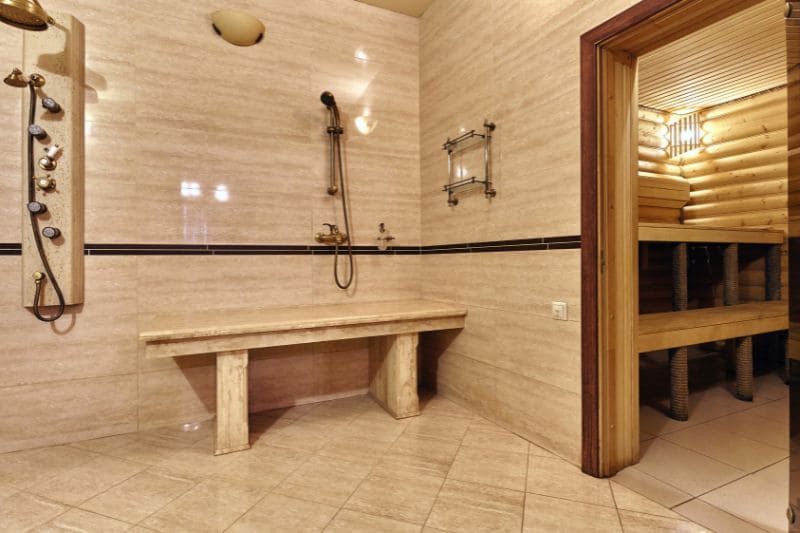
{"points": [[393, 329]]}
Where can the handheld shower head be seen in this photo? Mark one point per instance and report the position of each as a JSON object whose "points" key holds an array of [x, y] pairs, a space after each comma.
{"points": [[25, 15], [330, 102], [328, 99]]}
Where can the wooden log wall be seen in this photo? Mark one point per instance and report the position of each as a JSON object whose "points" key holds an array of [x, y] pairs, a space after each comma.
{"points": [[740, 178]]}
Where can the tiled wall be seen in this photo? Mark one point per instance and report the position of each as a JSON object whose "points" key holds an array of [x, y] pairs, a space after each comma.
{"points": [[168, 102], [515, 63]]}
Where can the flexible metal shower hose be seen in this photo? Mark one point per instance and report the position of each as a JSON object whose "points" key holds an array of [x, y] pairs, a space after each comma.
{"points": [[337, 143], [35, 226]]}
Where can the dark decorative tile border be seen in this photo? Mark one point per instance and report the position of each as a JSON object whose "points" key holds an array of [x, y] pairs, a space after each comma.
{"points": [[515, 245]]}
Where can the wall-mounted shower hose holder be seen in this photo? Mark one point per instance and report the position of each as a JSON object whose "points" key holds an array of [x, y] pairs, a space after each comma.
{"points": [[52, 237]]}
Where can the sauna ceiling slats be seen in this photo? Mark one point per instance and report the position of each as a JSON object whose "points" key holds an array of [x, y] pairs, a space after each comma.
{"points": [[738, 56], [415, 8]]}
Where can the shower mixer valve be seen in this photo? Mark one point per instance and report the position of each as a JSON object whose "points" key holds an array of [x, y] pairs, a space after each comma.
{"points": [[333, 238], [45, 183], [51, 153]]}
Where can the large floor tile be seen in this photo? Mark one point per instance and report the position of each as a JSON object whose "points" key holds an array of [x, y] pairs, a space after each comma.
{"points": [[77, 520], [210, 506], [629, 500], [423, 455], [30, 467], [647, 523], [78, 484], [490, 467], [729, 448], [354, 522], [754, 427], [704, 405], [777, 411], [679, 467], [439, 427], [754, 499], [23, 511], [557, 478], [650, 487], [714, 518], [483, 434], [138, 497], [280, 514], [471, 507], [402, 496], [327, 480], [544, 514]]}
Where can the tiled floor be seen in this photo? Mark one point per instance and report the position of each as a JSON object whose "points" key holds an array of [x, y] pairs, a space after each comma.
{"points": [[727, 466], [343, 465]]}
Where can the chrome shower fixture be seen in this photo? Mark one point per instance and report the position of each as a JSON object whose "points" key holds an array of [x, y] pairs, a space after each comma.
{"points": [[25, 15]]}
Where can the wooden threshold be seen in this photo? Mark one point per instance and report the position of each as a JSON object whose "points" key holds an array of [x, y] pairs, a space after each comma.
{"points": [[659, 331], [653, 232]]}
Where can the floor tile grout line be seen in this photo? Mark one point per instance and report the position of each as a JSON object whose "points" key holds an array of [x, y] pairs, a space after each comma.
{"points": [[525, 492], [616, 506], [723, 511], [371, 469], [714, 458]]}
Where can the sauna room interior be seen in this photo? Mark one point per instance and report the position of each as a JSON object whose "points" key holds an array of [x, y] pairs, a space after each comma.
{"points": [[281, 266]]}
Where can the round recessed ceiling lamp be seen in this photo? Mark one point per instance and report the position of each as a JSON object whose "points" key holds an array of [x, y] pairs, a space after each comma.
{"points": [[238, 27]]}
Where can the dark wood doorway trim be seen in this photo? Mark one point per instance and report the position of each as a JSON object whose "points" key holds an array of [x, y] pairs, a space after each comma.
{"points": [[666, 21]]}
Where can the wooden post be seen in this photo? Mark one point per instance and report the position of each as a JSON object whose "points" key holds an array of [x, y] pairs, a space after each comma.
{"points": [[743, 346], [393, 373], [679, 357], [232, 427]]}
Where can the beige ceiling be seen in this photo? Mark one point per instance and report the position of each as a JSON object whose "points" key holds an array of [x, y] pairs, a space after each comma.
{"points": [[735, 57], [415, 8]]}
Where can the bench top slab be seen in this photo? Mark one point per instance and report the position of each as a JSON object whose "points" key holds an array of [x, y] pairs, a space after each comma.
{"points": [[218, 323]]}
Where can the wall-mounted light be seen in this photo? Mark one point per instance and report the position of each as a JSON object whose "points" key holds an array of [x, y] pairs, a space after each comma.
{"points": [[365, 123], [221, 193], [361, 55], [685, 134], [238, 27], [190, 189]]}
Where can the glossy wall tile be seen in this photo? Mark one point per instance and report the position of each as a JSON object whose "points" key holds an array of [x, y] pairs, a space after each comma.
{"points": [[190, 140]]}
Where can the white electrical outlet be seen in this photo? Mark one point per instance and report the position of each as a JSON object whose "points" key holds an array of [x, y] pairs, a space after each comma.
{"points": [[559, 310]]}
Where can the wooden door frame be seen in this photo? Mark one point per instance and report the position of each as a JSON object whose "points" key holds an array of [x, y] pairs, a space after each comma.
{"points": [[609, 363]]}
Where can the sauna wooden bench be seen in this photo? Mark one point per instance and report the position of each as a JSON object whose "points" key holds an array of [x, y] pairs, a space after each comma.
{"points": [[393, 329], [680, 328], [660, 331]]}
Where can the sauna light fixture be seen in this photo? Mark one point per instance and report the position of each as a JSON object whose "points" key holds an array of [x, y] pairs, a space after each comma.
{"points": [[361, 55], [237, 27], [684, 134]]}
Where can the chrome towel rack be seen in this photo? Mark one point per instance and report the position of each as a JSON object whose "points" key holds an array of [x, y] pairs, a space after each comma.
{"points": [[452, 146]]}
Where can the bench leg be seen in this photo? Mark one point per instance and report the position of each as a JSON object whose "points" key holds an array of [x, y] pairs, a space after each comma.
{"points": [[393, 373], [679, 383], [232, 428], [744, 369]]}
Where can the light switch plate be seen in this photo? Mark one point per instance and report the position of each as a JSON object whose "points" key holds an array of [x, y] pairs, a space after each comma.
{"points": [[559, 310]]}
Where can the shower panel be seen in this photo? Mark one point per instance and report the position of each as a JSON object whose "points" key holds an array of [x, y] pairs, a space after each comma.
{"points": [[334, 237], [52, 83]]}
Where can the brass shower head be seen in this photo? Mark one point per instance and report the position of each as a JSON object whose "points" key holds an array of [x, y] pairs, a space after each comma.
{"points": [[16, 79], [25, 14]]}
